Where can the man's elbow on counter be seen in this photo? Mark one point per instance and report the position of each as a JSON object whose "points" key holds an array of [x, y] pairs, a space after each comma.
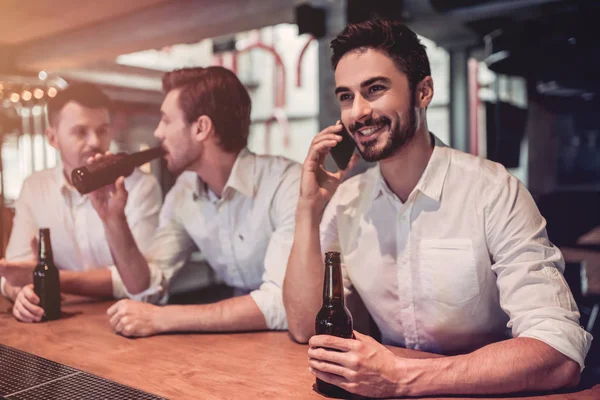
{"points": [[300, 334], [569, 374], [134, 291], [563, 375]]}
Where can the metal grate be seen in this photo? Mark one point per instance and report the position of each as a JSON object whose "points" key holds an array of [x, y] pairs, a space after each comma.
{"points": [[28, 377], [20, 370], [83, 386]]}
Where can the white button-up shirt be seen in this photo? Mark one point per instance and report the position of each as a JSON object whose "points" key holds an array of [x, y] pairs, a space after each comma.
{"points": [[245, 236], [47, 200], [463, 259]]}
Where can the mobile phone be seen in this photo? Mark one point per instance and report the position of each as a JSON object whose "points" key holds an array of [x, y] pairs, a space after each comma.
{"points": [[342, 152]]}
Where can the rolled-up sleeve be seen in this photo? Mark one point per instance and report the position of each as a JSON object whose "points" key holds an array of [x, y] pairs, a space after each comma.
{"points": [[533, 291], [24, 226], [142, 212], [24, 229], [268, 297], [170, 249]]}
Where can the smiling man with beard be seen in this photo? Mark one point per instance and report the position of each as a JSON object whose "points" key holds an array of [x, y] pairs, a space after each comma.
{"points": [[445, 249]]}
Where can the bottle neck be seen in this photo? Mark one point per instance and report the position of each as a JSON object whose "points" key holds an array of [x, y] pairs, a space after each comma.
{"points": [[142, 157], [333, 288], [44, 246]]}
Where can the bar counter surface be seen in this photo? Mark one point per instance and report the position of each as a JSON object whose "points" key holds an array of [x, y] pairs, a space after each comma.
{"points": [[260, 365]]}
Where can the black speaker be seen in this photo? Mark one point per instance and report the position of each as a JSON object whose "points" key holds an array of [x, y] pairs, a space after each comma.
{"points": [[363, 10], [224, 44], [310, 20]]}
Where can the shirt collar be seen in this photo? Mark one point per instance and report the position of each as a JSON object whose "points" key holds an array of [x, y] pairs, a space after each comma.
{"points": [[66, 189], [240, 179], [379, 185], [432, 180]]}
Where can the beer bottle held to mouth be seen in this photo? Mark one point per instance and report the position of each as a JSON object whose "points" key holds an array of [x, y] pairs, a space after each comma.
{"points": [[88, 178]]}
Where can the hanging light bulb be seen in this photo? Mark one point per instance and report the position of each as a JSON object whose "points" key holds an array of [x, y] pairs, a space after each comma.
{"points": [[15, 97], [52, 92], [26, 95], [38, 93], [43, 75]]}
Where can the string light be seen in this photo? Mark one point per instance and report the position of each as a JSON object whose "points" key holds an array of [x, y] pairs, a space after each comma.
{"points": [[25, 91], [26, 95], [38, 93]]}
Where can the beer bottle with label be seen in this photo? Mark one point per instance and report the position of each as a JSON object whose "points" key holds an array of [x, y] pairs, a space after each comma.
{"points": [[88, 178], [333, 318], [46, 283]]}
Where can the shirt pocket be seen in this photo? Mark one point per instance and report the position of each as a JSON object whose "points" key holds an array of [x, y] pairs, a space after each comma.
{"points": [[448, 270]]}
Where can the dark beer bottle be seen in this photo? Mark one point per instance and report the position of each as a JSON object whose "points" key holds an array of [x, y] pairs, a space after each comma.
{"points": [[88, 178], [333, 318], [46, 283]]}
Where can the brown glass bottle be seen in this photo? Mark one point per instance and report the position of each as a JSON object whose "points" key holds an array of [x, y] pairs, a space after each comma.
{"points": [[46, 283], [88, 178], [333, 318]]}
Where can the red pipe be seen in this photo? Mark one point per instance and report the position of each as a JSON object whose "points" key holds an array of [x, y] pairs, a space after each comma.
{"points": [[268, 124], [279, 117], [279, 95], [218, 59], [234, 62], [300, 58]]}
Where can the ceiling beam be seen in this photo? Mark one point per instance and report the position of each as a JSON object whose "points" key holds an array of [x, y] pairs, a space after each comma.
{"points": [[179, 21], [134, 96], [110, 78], [7, 59]]}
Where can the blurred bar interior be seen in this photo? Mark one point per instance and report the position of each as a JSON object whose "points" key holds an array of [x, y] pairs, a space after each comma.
{"points": [[515, 81]]}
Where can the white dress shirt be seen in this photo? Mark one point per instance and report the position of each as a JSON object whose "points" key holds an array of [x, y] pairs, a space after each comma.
{"points": [[463, 259], [245, 236], [47, 200]]}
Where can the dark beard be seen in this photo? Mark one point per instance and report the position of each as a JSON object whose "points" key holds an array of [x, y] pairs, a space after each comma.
{"points": [[184, 163], [398, 138]]}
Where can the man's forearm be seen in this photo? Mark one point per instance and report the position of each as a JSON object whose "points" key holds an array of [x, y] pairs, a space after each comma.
{"points": [[131, 263], [515, 365], [96, 283], [303, 283], [11, 291], [235, 314]]}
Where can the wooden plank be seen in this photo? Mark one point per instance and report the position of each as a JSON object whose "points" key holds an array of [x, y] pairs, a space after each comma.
{"points": [[260, 365], [35, 19]]}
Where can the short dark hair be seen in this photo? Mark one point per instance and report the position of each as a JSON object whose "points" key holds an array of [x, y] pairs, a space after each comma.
{"points": [[217, 93], [85, 94], [390, 37]]}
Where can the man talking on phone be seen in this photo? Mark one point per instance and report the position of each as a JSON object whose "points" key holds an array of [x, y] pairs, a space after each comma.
{"points": [[446, 250]]}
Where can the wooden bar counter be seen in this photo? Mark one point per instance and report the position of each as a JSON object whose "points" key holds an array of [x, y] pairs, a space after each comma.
{"points": [[263, 365]]}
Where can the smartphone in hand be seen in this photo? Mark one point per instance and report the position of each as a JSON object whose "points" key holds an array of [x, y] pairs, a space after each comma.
{"points": [[342, 152]]}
